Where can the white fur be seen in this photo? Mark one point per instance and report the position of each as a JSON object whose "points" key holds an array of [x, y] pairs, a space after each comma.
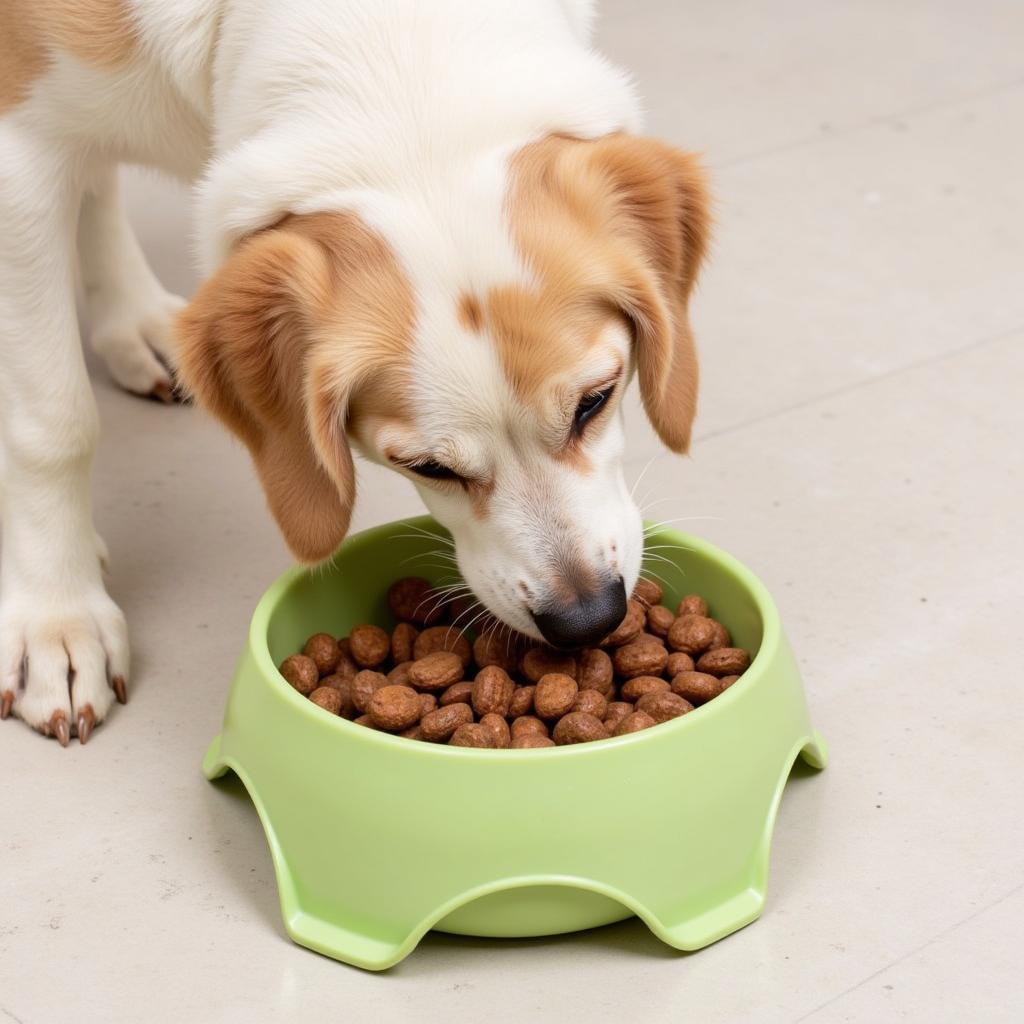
{"points": [[404, 110]]}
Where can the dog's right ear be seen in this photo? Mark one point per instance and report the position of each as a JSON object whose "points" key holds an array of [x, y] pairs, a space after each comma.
{"points": [[246, 352]]}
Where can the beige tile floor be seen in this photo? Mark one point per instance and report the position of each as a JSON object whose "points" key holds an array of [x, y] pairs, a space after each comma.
{"points": [[862, 330]]}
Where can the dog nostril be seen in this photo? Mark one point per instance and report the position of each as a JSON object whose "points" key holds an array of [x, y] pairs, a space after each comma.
{"points": [[584, 622]]}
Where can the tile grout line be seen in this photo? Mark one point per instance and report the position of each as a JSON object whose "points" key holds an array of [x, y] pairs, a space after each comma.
{"points": [[913, 952]]}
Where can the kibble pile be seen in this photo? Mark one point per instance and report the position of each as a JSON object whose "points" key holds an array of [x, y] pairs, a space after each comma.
{"points": [[427, 681]]}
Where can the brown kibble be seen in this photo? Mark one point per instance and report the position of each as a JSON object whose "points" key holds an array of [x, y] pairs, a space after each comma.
{"points": [[366, 721], [663, 706], [471, 735], [578, 727], [724, 661], [659, 620], [301, 672], [328, 698], [364, 686], [414, 732], [696, 687], [596, 671], [395, 707], [691, 634], [721, 637], [403, 637], [678, 661], [727, 681], [531, 741], [443, 638], [647, 592], [457, 693], [428, 703], [522, 701], [344, 687], [324, 650], [494, 647], [439, 725], [634, 723], [528, 724], [629, 627], [542, 661], [555, 695], [347, 668], [591, 702], [639, 686], [617, 711], [412, 599], [640, 658], [693, 604], [436, 672], [492, 691], [501, 737], [399, 675], [369, 646]]}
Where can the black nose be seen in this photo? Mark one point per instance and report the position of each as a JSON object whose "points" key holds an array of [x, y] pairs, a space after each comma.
{"points": [[584, 622]]}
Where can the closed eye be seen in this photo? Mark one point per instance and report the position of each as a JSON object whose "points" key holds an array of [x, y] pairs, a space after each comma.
{"points": [[434, 470], [590, 405]]}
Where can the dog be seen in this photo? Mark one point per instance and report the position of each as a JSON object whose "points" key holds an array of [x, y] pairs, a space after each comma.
{"points": [[430, 231]]}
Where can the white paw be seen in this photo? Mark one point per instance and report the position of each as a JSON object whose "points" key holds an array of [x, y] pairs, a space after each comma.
{"points": [[134, 336], [62, 663]]}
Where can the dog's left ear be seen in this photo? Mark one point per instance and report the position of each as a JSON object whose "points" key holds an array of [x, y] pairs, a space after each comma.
{"points": [[660, 199]]}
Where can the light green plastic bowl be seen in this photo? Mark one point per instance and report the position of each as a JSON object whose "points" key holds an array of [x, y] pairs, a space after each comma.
{"points": [[377, 839]]}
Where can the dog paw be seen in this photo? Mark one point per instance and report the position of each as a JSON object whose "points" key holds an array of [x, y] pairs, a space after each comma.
{"points": [[134, 337], [62, 665]]}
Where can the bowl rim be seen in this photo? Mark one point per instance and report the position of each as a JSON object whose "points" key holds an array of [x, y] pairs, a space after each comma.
{"points": [[279, 589]]}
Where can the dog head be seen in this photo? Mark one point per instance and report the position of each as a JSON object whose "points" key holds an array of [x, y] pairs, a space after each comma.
{"points": [[496, 392]]}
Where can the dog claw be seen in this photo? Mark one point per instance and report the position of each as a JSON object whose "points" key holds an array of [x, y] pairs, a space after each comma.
{"points": [[59, 727], [86, 720], [120, 691], [6, 703]]}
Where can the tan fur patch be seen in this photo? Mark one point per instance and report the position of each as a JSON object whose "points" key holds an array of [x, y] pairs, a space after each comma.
{"points": [[98, 32], [470, 314], [305, 321]]}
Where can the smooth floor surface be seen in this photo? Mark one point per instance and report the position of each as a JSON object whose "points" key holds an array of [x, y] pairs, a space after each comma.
{"points": [[859, 445]]}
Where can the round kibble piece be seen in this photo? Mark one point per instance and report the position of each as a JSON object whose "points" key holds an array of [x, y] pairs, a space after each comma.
{"points": [[639, 686], [531, 741], [346, 664], [596, 671], [721, 637], [693, 604], [501, 737], [492, 648], [724, 661], [663, 706], [301, 672], [403, 637], [344, 687], [436, 672], [328, 698], [364, 686], [648, 592], [443, 638], [492, 691], [428, 703], [399, 675], [617, 711], [412, 599], [528, 724], [542, 661], [727, 681], [691, 634], [439, 725], [578, 727], [592, 703], [522, 701], [395, 707], [457, 693], [640, 658], [696, 687], [414, 732], [365, 720], [659, 620], [678, 661], [629, 627], [555, 695], [325, 652], [369, 646], [472, 735], [634, 723]]}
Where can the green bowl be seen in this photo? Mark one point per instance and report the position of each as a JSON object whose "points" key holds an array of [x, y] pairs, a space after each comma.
{"points": [[377, 839]]}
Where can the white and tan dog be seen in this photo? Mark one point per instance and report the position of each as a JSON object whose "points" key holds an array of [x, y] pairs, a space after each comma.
{"points": [[431, 234]]}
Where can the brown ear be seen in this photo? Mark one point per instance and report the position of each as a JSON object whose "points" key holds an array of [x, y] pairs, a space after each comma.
{"points": [[245, 350], [662, 202]]}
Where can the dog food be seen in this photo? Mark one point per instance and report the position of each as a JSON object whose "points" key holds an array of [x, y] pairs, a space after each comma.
{"points": [[425, 680]]}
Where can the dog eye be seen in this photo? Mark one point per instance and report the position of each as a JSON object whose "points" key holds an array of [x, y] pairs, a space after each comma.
{"points": [[590, 405], [434, 470]]}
